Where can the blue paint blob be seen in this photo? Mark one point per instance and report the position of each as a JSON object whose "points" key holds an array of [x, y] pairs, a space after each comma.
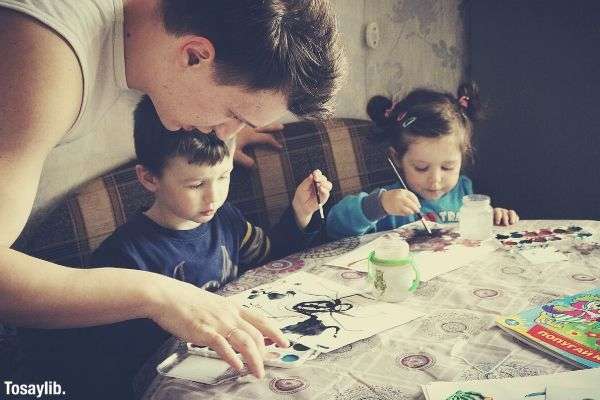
{"points": [[290, 358]]}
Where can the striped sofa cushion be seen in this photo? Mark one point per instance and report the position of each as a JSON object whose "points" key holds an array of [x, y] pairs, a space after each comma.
{"points": [[344, 149]]}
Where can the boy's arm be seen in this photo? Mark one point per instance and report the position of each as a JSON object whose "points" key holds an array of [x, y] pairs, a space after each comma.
{"points": [[258, 247], [355, 214]]}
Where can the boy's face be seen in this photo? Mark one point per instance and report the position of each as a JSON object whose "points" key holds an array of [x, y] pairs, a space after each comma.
{"points": [[187, 195]]}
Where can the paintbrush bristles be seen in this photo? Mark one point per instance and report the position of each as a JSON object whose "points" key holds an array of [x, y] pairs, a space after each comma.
{"points": [[406, 188]]}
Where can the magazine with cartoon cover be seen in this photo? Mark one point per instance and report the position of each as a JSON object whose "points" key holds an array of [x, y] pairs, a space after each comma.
{"points": [[568, 328]]}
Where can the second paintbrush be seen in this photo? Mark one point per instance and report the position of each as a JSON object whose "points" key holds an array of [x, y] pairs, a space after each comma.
{"points": [[404, 185]]}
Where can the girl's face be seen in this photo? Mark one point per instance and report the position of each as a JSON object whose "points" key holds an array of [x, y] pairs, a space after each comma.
{"points": [[431, 166]]}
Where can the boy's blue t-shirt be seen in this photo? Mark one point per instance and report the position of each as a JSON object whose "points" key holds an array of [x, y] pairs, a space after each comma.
{"points": [[208, 256], [354, 214]]}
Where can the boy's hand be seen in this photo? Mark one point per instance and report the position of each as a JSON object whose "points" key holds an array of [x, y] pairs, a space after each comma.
{"points": [[502, 216], [249, 136], [305, 200], [400, 202]]}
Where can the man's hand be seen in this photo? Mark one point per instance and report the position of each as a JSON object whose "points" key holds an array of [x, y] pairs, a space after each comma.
{"points": [[249, 136], [207, 319]]}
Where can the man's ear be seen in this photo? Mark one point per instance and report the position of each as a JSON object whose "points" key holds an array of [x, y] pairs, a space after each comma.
{"points": [[196, 50], [146, 178]]}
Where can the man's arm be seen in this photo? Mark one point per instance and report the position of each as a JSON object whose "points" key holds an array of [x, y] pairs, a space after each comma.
{"points": [[40, 97]]}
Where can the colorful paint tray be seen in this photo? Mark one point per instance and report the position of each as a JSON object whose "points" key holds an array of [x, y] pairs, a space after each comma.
{"points": [[276, 356]]}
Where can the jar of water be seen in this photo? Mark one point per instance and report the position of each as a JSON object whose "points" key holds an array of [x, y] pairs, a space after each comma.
{"points": [[476, 217]]}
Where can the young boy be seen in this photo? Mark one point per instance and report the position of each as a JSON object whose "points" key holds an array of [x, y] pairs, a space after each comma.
{"points": [[190, 233]]}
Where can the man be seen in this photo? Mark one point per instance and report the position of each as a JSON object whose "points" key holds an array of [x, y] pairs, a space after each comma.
{"points": [[213, 65]]}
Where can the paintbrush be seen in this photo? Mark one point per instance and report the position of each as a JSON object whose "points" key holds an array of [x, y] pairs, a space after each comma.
{"points": [[404, 185], [318, 200], [316, 191]]}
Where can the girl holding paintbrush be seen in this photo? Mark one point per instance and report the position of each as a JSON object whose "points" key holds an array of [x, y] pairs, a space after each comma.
{"points": [[429, 133]]}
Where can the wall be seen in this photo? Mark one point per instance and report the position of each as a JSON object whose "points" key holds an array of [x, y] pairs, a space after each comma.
{"points": [[422, 43], [537, 63]]}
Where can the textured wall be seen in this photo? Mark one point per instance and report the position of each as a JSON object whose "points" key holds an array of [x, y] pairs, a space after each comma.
{"points": [[422, 44]]}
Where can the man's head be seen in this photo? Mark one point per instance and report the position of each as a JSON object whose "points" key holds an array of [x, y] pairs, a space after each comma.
{"points": [[188, 172], [230, 62]]}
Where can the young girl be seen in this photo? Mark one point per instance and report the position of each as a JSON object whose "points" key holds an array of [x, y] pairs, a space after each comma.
{"points": [[430, 138]]}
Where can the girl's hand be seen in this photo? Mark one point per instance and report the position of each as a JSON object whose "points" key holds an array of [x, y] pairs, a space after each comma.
{"points": [[305, 200], [204, 318], [400, 202], [502, 216]]}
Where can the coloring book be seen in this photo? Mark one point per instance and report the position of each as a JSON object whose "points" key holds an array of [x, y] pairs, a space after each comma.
{"points": [[442, 251], [323, 314], [573, 385], [568, 328]]}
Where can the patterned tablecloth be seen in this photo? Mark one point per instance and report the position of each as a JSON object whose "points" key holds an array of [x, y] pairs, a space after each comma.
{"points": [[455, 340]]}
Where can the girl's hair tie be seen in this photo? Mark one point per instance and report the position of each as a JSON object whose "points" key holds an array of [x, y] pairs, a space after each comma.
{"points": [[388, 111], [464, 101], [405, 123]]}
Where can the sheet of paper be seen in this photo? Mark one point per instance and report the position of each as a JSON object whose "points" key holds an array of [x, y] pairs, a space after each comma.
{"points": [[573, 390], [540, 255], [519, 388], [323, 314], [433, 256]]}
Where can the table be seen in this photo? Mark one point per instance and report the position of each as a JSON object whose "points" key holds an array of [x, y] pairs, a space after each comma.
{"points": [[455, 340]]}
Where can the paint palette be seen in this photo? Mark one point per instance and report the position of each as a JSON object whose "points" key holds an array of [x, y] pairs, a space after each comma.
{"points": [[276, 356], [541, 237]]}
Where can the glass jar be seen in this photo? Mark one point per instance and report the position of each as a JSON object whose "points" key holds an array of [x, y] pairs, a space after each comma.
{"points": [[476, 217]]}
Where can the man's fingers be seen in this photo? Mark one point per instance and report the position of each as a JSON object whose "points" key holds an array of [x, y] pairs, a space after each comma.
{"points": [[274, 127], [222, 347], [243, 159], [263, 138], [253, 357], [255, 335], [266, 328]]}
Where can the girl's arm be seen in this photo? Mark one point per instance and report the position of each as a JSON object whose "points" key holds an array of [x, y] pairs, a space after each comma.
{"points": [[355, 214]]}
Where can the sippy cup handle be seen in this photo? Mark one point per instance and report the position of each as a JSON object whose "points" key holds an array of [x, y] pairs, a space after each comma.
{"points": [[417, 279]]}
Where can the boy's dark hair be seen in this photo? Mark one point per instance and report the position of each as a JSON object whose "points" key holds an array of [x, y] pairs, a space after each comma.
{"points": [[428, 113], [288, 46], [155, 145]]}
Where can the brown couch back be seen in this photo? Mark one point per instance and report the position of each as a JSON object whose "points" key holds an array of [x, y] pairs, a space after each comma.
{"points": [[344, 149]]}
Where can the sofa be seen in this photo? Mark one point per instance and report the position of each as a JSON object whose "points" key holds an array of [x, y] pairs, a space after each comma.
{"points": [[347, 150]]}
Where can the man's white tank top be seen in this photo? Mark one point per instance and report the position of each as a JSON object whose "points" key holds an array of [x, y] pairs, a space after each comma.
{"points": [[94, 29]]}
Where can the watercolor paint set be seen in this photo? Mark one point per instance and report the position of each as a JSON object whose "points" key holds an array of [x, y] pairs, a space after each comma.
{"points": [[542, 237], [202, 364], [276, 356]]}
